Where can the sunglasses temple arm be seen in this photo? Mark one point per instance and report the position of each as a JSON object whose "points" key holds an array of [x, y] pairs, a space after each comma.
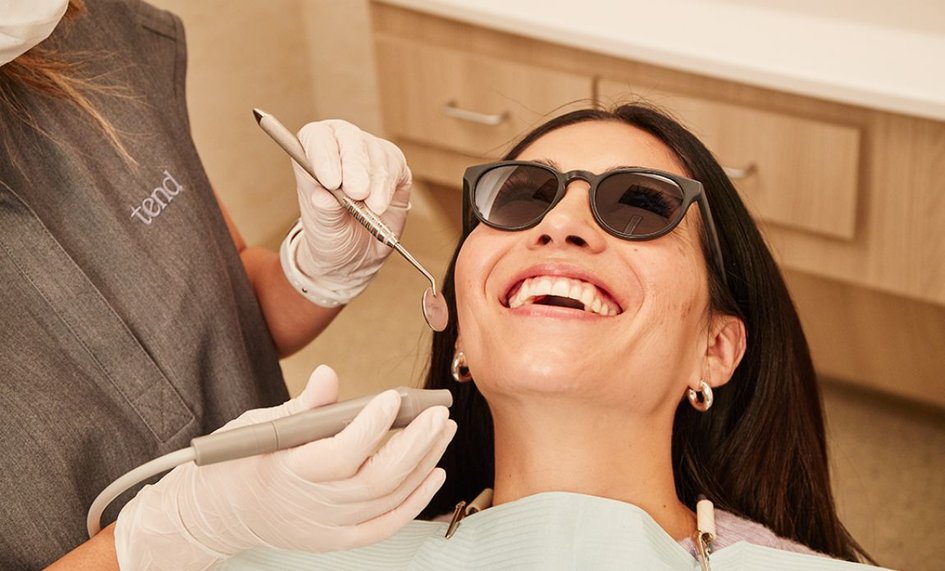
{"points": [[713, 235]]}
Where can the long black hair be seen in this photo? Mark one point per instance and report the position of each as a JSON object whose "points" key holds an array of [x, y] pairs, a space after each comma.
{"points": [[760, 452]]}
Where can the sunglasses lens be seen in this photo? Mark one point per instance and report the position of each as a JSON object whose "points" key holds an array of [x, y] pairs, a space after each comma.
{"points": [[637, 204], [514, 196]]}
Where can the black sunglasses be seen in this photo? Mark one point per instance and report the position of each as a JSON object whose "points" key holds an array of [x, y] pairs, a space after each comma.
{"points": [[629, 203]]}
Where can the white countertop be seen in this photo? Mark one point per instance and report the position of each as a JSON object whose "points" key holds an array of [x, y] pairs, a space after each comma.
{"points": [[890, 63]]}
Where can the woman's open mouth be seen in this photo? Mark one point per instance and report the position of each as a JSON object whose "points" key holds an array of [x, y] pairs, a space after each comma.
{"points": [[560, 291]]}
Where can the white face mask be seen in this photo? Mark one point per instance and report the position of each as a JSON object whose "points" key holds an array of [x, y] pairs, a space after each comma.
{"points": [[25, 23]]}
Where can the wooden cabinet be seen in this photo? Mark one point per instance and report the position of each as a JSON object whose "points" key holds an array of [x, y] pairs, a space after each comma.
{"points": [[465, 102], [449, 108], [851, 200], [793, 171]]}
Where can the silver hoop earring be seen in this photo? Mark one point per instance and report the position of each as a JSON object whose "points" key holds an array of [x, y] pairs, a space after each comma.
{"points": [[701, 400], [458, 368]]}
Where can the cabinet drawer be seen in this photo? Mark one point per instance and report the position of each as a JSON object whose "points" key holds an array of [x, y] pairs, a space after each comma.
{"points": [[472, 104], [795, 172]]}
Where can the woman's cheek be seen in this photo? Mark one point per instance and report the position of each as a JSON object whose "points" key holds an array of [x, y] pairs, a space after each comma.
{"points": [[466, 280], [477, 260], [477, 257]]}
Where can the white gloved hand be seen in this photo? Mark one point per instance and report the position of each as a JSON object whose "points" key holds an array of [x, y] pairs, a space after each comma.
{"points": [[331, 494], [337, 254]]}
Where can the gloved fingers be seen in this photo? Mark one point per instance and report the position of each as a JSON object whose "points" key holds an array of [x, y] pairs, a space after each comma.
{"points": [[385, 494], [412, 479], [382, 184], [356, 165], [402, 455], [399, 203], [401, 197], [340, 456], [311, 194], [321, 148], [389, 523], [322, 389], [403, 178], [323, 152], [396, 215]]}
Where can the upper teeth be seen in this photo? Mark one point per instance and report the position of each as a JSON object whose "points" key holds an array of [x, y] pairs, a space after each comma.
{"points": [[588, 294]]}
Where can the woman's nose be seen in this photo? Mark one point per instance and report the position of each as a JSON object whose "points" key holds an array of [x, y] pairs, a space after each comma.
{"points": [[570, 223]]}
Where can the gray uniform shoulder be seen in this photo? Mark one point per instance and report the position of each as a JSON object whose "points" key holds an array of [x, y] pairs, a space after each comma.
{"points": [[123, 12]]}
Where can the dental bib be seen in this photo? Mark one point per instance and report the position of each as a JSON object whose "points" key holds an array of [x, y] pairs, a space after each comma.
{"points": [[547, 531]]}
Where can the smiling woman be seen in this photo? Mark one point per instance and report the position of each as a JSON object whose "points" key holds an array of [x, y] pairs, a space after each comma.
{"points": [[583, 340], [616, 354]]}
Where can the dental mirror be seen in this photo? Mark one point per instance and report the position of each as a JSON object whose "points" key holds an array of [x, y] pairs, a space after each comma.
{"points": [[434, 310], [433, 305]]}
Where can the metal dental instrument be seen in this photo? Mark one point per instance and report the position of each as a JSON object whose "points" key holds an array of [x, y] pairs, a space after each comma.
{"points": [[435, 311], [265, 437]]}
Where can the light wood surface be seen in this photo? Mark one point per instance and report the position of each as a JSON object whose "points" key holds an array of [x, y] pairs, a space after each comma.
{"points": [[901, 210], [881, 341], [438, 166], [799, 173], [422, 85]]}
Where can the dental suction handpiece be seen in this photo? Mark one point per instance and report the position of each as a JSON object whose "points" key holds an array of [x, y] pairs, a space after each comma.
{"points": [[264, 438]]}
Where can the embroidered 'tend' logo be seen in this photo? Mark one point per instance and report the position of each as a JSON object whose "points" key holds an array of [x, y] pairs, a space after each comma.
{"points": [[155, 203]]}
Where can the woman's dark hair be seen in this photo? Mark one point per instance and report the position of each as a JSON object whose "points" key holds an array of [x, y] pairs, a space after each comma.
{"points": [[760, 452]]}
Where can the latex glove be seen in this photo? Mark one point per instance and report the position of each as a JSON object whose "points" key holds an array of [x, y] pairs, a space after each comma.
{"points": [[337, 253], [330, 494]]}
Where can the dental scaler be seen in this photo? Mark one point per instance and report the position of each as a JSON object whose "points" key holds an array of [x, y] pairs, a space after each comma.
{"points": [[433, 305], [265, 437]]}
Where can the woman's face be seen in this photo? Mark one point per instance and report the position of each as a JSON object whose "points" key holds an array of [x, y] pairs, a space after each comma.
{"points": [[645, 342]]}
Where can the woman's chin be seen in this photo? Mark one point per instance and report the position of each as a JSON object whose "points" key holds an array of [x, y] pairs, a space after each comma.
{"points": [[543, 372]]}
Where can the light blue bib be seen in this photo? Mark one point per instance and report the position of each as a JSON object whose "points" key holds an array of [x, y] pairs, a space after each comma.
{"points": [[548, 531]]}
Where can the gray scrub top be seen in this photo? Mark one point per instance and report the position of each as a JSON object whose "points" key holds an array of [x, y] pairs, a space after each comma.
{"points": [[127, 323]]}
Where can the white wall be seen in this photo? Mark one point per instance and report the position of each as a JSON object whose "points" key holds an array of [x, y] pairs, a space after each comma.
{"points": [[265, 53], [342, 55]]}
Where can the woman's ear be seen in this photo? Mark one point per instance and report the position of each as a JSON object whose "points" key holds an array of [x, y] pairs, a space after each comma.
{"points": [[725, 348]]}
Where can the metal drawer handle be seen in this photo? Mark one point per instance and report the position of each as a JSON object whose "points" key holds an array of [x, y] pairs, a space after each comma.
{"points": [[736, 173], [452, 110]]}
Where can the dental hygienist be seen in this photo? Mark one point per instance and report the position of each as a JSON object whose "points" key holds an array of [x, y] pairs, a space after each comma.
{"points": [[134, 317]]}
